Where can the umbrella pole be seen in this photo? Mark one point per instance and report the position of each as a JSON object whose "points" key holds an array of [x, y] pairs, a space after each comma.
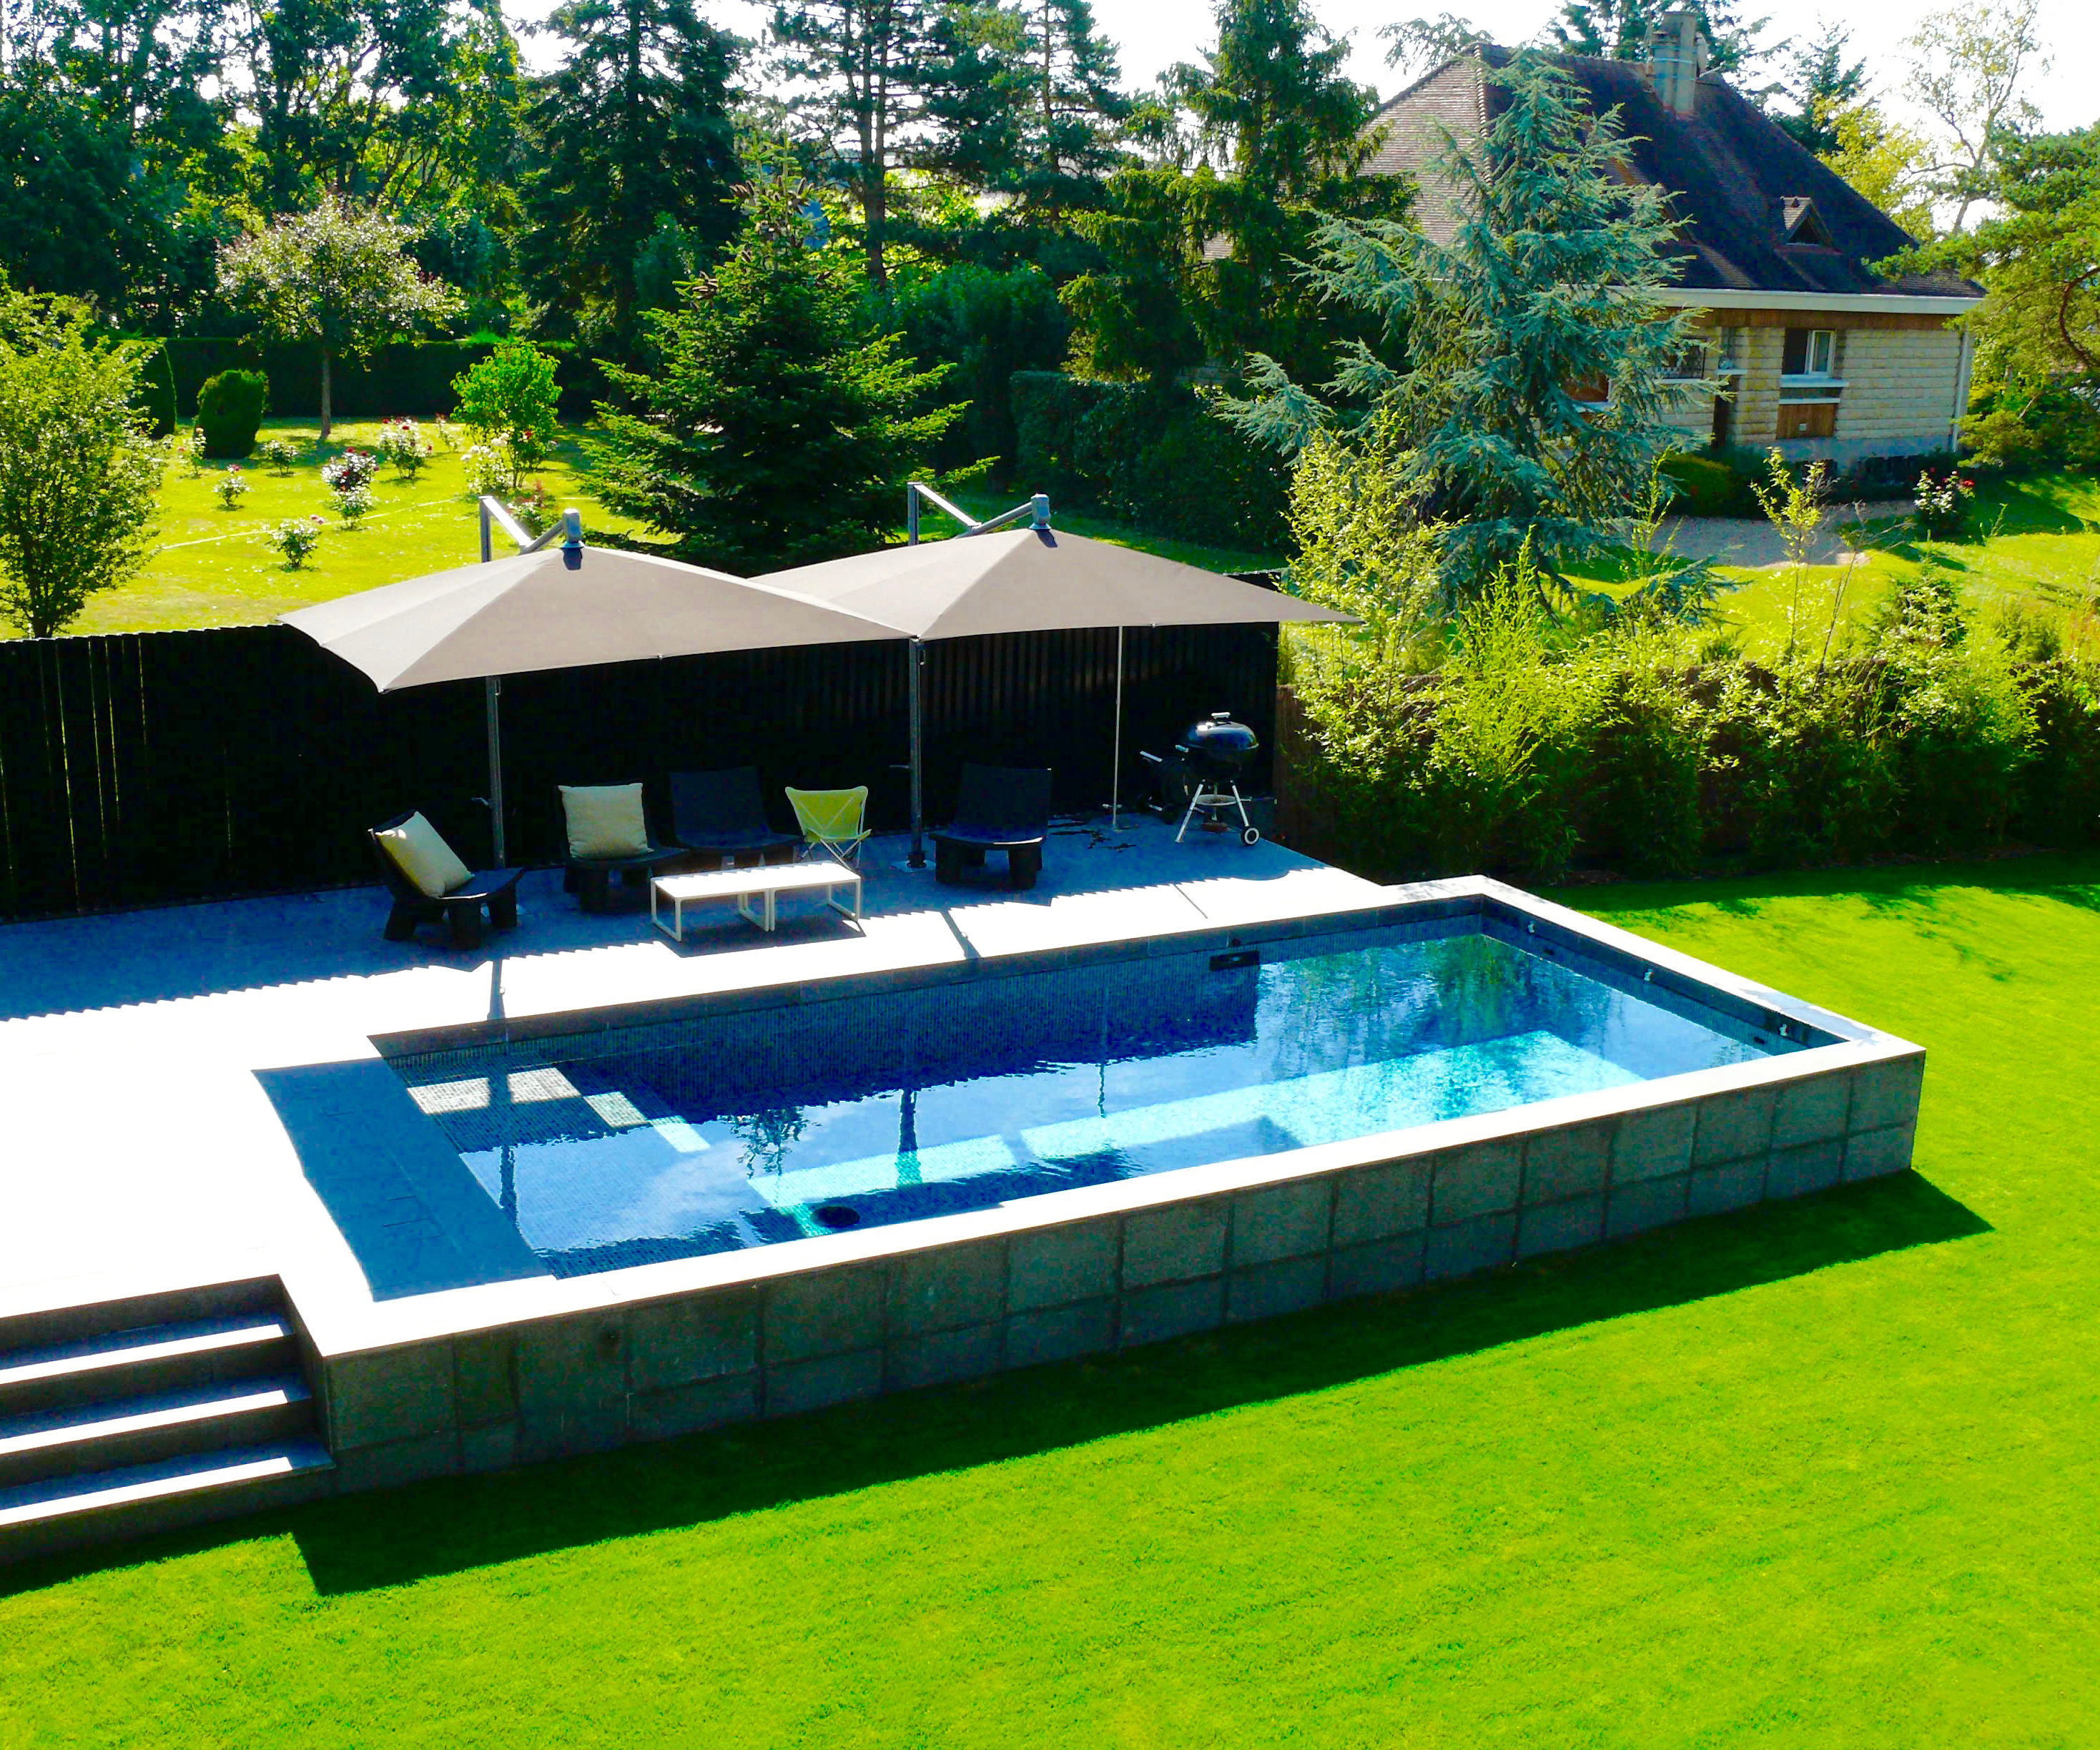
{"points": [[918, 858], [492, 693], [1115, 766]]}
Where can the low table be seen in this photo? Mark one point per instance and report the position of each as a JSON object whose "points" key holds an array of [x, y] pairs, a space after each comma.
{"points": [[766, 882]]}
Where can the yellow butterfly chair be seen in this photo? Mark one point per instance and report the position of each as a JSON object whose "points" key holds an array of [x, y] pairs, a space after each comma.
{"points": [[832, 820]]}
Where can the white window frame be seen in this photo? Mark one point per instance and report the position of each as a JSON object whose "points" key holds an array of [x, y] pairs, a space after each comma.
{"points": [[1822, 378]]}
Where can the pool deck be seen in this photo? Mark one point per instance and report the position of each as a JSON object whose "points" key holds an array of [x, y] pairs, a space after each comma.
{"points": [[143, 1150]]}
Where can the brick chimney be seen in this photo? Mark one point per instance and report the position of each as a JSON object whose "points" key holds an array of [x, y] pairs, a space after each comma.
{"points": [[1676, 57]]}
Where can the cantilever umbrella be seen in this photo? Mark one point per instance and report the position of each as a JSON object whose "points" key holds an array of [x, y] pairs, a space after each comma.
{"points": [[1030, 579], [571, 607]]}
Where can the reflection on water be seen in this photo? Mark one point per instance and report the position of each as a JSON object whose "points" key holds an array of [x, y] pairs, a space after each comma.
{"points": [[692, 1137]]}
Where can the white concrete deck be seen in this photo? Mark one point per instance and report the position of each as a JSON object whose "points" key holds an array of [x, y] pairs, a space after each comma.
{"points": [[141, 1151]]}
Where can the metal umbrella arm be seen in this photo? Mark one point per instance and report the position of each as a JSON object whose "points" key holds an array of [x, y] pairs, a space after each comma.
{"points": [[495, 514], [1037, 509]]}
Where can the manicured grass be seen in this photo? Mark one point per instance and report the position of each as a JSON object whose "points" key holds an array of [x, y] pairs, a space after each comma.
{"points": [[1822, 1474], [2037, 541], [213, 568]]}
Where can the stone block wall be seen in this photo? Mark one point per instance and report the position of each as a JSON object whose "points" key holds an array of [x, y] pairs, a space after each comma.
{"points": [[1223, 1252]]}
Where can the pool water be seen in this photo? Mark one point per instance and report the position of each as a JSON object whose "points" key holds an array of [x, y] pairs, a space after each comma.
{"points": [[633, 1145]]}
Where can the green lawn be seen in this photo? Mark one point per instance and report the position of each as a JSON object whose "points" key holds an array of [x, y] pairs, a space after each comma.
{"points": [[213, 568], [1823, 1474], [2037, 540]]}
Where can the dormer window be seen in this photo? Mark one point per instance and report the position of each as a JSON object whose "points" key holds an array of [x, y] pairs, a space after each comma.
{"points": [[1800, 222]]}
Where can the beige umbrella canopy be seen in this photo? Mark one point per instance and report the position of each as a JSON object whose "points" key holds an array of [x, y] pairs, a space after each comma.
{"points": [[571, 607], [538, 611], [1035, 579]]}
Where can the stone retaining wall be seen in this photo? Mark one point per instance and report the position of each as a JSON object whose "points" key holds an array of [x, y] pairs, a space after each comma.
{"points": [[1187, 1251]]}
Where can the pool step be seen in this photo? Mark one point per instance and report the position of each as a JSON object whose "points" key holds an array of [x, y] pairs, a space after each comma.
{"points": [[152, 1410], [150, 1357], [38, 1518]]}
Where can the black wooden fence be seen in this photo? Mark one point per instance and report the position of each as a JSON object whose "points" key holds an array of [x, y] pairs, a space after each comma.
{"points": [[143, 769]]}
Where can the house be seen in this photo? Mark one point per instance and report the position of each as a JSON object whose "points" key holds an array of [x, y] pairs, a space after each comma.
{"points": [[1816, 352]]}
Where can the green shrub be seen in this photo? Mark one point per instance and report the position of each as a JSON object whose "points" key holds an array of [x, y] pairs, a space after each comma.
{"points": [[1157, 458], [1705, 486], [230, 410], [511, 394]]}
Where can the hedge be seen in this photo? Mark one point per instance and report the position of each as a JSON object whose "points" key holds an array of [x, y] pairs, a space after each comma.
{"points": [[409, 376], [1156, 458]]}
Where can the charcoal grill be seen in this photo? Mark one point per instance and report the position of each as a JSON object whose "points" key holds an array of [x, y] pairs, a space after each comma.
{"points": [[1214, 750]]}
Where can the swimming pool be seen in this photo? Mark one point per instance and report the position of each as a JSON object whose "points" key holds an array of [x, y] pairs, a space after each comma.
{"points": [[632, 1145]]}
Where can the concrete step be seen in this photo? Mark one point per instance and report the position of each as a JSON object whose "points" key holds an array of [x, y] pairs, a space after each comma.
{"points": [[147, 1359], [46, 1327], [59, 1513], [114, 1434]]}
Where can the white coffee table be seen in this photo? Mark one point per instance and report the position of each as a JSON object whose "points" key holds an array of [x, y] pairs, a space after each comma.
{"points": [[766, 883]]}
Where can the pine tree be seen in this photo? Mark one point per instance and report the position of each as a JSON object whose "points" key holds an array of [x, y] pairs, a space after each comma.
{"points": [[634, 127], [1071, 107], [885, 92], [1510, 329], [781, 423], [1823, 81], [1618, 30], [1272, 103]]}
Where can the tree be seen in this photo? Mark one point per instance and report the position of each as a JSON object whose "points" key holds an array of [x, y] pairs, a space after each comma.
{"points": [[511, 394], [1512, 331], [633, 129], [1967, 65], [1888, 163], [1272, 103], [77, 474], [1618, 30], [886, 85], [1823, 81], [2039, 255], [1202, 265], [386, 103], [1070, 108], [336, 275], [1420, 46], [782, 424]]}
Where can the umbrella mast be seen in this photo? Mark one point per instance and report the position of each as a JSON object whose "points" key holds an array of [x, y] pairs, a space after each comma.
{"points": [[1037, 507], [570, 529]]}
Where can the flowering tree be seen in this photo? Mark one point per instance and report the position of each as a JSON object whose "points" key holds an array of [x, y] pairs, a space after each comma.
{"points": [[336, 275], [76, 473]]}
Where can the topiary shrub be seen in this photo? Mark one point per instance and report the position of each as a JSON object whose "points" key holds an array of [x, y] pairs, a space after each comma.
{"points": [[230, 410], [1704, 486]]}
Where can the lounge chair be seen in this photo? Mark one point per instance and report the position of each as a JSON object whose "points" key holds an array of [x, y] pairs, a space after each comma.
{"points": [[608, 836], [429, 883], [832, 820], [723, 812], [1000, 809]]}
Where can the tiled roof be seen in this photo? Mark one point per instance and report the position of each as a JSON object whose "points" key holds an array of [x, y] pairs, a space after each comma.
{"points": [[1758, 211]]}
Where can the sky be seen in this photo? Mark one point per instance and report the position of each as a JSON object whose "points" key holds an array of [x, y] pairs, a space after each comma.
{"points": [[1153, 34]]}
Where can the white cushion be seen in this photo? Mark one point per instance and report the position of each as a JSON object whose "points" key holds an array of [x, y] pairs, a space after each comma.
{"points": [[424, 858], [605, 820]]}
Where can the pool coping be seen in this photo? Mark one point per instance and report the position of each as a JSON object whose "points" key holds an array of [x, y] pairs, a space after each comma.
{"points": [[335, 1330]]}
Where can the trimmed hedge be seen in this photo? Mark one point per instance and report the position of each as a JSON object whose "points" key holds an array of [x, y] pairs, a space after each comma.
{"points": [[410, 377], [1157, 459], [230, 408]]}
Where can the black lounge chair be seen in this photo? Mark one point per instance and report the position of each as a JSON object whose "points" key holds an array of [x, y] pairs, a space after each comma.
{"points": [[724, 814], [590, 878], [493, 892], [1000, 809]]}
